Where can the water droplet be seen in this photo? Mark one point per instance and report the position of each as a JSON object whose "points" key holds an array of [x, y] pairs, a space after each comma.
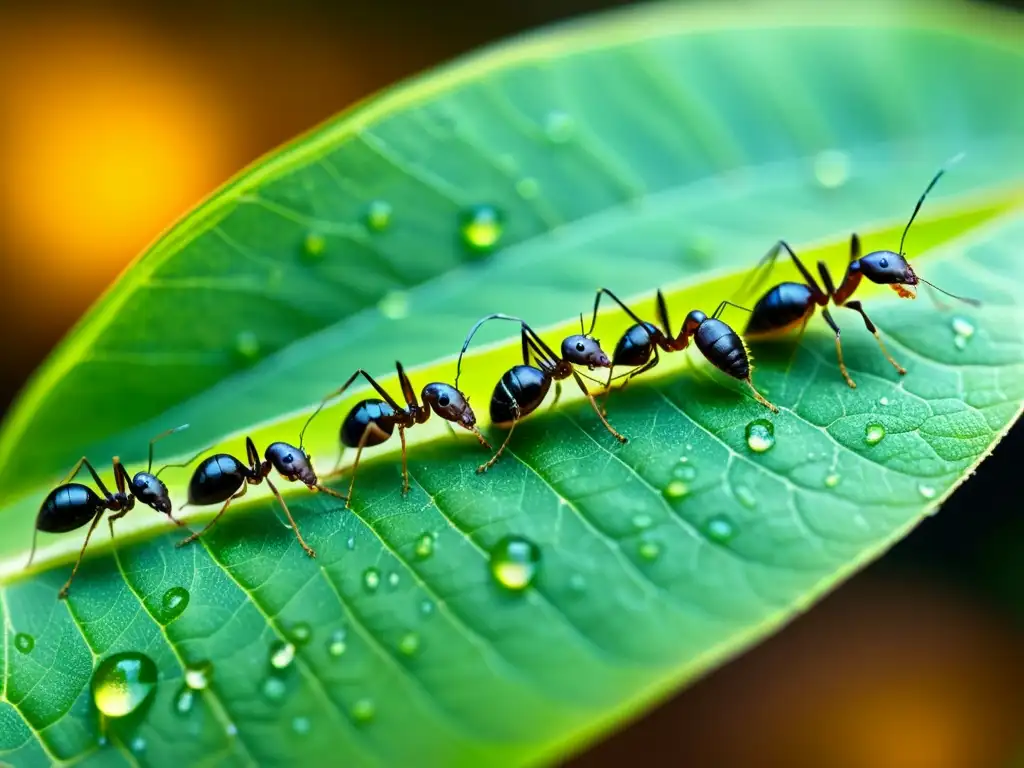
{"points": [[481, 227], [314, 246], [559, 126], [514, 562], [24, 643], [185, 700], [642, 521], [274, 688], [197, 676], [426, 607], [760, 435], [577, 582], [378, 215], [301, 633], [831, 480], [394, 305], [883, 401], [425, 546], [363, 711], [138, 745], [720, 528], [247, 345], [649, 550], [231, 729], [960, 342], [684, 471], [282, 654], [528, 188], [371, 579], [746, 497], [676, 490], [173, 603], [393, 579], [336, 646], [832, 168], [409, 644], [963, 327], [122, 682], [301, 725], [926, 491], [351, 543], [873, 434]]}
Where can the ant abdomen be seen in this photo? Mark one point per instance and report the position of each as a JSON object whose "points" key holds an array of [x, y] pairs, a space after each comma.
{"points": [[215, 479], [722, 346], [68, 507], [523, 387], [366, 412], [636, 346]]}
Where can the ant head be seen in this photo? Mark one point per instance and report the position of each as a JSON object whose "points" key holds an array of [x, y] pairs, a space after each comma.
{"points": [[151, 491], [888, 268], [292, 463], [448, 403], [579, 349], [693, 321]]}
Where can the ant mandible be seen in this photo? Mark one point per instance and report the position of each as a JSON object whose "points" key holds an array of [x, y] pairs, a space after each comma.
{"points": [[521, 390], [223, 478], [719, 343], [788, 305], [72, 505], [373, 421]]}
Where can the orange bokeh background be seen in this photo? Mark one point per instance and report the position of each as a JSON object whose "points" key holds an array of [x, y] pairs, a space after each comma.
{"points": [[118, 119]]}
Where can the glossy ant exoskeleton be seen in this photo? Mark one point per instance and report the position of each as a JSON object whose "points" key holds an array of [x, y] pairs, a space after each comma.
{"points": [[223, 478], [521, 390], [720, 344], [72, 505], [372, 421], [789, 305]]}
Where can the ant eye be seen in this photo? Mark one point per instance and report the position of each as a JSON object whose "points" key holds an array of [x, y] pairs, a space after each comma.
{"points": [[884, 263], [443, 400], [579, 346]]}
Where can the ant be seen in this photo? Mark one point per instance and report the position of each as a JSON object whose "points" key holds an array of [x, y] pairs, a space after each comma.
{"points": [[223, 478], [718, 342], [788, 305], [373, 421], [72, 505], [521, 390]]}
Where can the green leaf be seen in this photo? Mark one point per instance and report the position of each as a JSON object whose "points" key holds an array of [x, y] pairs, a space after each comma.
{"points": [[659, 147]]}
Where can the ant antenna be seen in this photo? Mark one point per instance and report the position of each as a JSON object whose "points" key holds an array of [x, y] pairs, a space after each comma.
{"points": [[928, 189], [581, 325], [302, 432], [965, 299], [161, 436]]}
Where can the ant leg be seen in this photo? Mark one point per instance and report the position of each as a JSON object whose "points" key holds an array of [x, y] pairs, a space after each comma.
{"points": [[759, 397], [329, 491], [799, 338], [405, 462], [112, 518], [367, 431], [295, 526], [593, 404], [209, 525], [337, 464], [62, 595], [490, 462], [558, 393], [721, 308], [84, 461], [839, 347], [856, 307]]}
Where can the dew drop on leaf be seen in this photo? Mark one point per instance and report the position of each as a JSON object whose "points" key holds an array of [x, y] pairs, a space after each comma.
{"points": [[231, 729], [760, 435], [559, 126], [138, 745], [122, 682], [351, 543], [425, 546], [831, 480], [300, 633], [314, 246], [273, 688], [831, 168], [649, 550], [642, 522], [184, 700], [527, 188], [720, 528], [577, 583], [394, 305], [883, 401], [676, 489], [378, 215], [301, 725], [684, 472], [426, 607], [247, 345], [197, 675], [173, 603], [371, 579], [282, 654], [409, 644], [363, 710], [393, 579], [926, 491], [24, 643], [746, 497], [873, 434], [481, 227], [514, 562], [336, 646]]}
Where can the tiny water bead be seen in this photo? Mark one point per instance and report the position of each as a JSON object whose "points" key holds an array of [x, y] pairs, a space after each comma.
{"points": [[273, 688], [642, 522], [873, 434], [926, 491], [720, 529], [301, 725], [760, 435], [425, 546], [409, 644], [314, 246], [364, 710], [831, 480], [173, 603], [351, 543], [648, 550], [676, 489], [198, 675], [684, 471], [883, 401], [231, 729], [336, 646], [393, 579], [831, 168], [427, 607], [394, 305], [300, 633], [247, 345], [282, 654], [123, 682], [371, 579], [378, 215], [578, 583], [528, 188], [138, 744], [185, 700], [481, 227], [559, 127], [514, 562], [24, 643], [745, 496], [963, 330]]}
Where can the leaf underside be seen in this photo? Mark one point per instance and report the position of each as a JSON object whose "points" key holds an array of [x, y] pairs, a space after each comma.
{"points": [[654, 148]]}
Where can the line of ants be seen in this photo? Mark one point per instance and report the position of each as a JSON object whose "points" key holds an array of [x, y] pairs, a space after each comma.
{"points": [[222, 478]]}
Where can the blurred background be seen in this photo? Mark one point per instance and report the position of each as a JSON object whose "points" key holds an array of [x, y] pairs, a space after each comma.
{"points": [[116, 118]]}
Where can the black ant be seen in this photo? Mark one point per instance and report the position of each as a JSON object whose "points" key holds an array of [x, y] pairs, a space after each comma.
{"points": [[373, 421], [521, 390], [223, 478], [719, 343], [72, 505], [789, 305]]}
